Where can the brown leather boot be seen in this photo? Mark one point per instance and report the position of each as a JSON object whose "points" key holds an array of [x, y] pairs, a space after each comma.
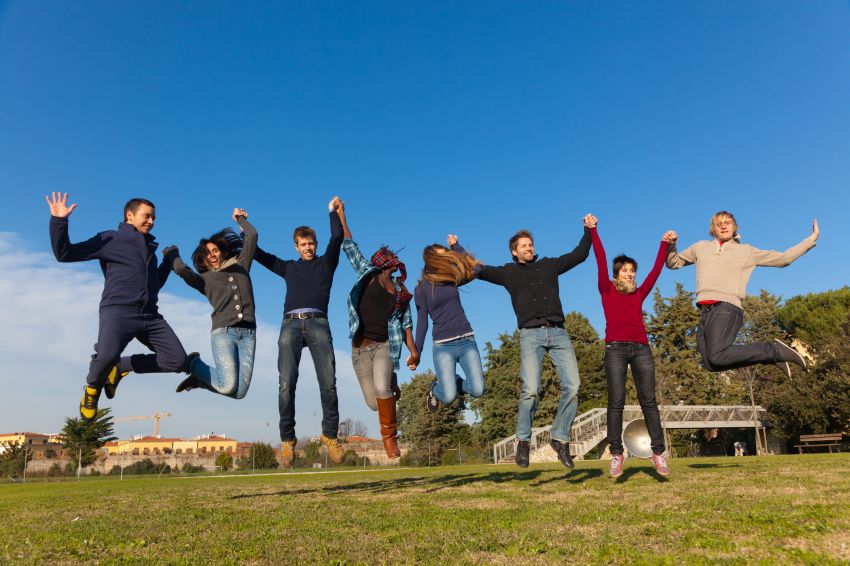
{"points": [[387, 418]]}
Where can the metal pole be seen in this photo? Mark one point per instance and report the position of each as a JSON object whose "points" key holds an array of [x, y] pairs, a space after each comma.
{"points": [[26, 455], [122, 464], [79, 464]]}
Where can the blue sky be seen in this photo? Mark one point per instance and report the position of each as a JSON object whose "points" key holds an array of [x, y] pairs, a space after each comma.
{"points": [[477, 118]]}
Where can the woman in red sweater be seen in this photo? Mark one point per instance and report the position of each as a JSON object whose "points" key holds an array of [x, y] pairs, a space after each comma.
{"points": [[626, 345]]}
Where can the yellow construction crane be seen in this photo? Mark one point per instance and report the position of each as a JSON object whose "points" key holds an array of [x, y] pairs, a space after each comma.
{"points": [[155, 418]]}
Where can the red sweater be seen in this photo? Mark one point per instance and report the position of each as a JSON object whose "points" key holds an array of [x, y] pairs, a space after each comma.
{"points": [[624, 313]]}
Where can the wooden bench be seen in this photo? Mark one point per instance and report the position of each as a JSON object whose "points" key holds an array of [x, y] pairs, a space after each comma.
{"points": [[818, 440]]}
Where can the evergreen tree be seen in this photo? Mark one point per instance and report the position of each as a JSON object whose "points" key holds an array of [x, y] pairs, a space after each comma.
{"points": [[497, 409], [590, 353], [429, 435], [814, 318], [84, 438], [12, 460]]}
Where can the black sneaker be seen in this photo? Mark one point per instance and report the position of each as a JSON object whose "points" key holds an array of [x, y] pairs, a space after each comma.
{"points": [[112, 380], [188, 384], [522, 453], [187, 364], [431, 402], [562, 449]]}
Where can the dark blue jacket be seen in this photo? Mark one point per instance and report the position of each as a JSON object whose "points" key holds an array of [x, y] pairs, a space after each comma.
{"points": [[128, 261]]}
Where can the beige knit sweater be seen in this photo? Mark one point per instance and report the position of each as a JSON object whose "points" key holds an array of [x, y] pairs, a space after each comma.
{"points": [[723, 271]]}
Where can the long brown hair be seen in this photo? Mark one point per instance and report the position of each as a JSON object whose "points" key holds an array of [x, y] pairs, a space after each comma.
{"points": [[447, 266]]}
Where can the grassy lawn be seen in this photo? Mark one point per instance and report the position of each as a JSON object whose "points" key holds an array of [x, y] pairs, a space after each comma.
{"points": [[769, 510]]}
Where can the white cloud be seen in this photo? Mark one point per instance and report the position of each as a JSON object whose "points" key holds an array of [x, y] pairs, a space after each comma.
{"points": [[49, 317]]}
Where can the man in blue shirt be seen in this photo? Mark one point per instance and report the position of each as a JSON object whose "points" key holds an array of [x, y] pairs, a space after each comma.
{"points": [[305, 324]]}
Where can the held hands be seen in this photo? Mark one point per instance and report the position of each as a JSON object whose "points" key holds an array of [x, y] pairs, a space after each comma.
{"points": [[815, 229], [451, 240], [412, 361], [336, 204], [670, 236], [237, 212], [168, 250], [590, 221], [58, 204]]}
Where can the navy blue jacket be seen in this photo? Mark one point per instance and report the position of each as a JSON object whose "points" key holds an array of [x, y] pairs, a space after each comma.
{"points": [[308, 283], [128, 261]]}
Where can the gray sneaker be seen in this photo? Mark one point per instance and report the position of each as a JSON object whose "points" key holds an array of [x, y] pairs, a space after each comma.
{"points": [[787, 355]]}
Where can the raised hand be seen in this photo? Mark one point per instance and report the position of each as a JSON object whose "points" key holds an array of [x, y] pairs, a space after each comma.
{"points": [[169, 250], [670, 236], [451, 240], [815, 229], [335, 203], [237, 212], [590, 221], [58, 204]]}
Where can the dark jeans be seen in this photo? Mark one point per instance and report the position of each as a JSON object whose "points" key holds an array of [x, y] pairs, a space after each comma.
{"points": [[117, 327], [295, 335], [618, 356], [718, 326]]}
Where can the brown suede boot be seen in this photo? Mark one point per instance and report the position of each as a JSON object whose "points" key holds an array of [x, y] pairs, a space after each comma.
{"points": [[387, 418]]}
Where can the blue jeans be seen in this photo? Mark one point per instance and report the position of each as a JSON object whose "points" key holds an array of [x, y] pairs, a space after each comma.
{"points": [[534, 342], [447, 355], [233, 351], [618, 356], [295, 335]]}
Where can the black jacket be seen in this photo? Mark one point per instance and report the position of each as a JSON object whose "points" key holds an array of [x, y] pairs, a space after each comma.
{"points": [[533, 286]]}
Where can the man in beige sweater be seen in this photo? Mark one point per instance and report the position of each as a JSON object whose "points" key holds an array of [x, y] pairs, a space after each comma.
{"points": [[724, 265]]}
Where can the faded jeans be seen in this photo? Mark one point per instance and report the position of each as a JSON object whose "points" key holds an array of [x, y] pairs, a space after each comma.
{"points": [[295, 335], [618, 356], [534, 343], [374, 370], [233, 351], [447, 355]]}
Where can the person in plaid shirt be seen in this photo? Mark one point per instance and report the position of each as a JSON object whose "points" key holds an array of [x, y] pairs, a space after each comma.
{"points": [[379, 321]]}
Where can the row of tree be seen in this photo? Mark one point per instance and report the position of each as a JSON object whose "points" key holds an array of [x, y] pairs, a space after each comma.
{"points": [[814, 401]]}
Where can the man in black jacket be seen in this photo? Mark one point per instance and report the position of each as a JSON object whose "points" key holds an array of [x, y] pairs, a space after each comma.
{"points": [[533, 286], [128, 306]]}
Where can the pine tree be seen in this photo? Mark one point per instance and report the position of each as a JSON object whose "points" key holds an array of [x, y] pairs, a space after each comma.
{"points": [[428, 434], [84, 438]]}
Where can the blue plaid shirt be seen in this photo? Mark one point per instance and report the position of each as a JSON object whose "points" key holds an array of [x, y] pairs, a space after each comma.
{"points": [[398, 322]]}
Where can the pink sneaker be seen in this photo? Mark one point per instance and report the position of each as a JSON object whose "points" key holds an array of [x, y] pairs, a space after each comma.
{"points": [[660, 464], [617, 465]]}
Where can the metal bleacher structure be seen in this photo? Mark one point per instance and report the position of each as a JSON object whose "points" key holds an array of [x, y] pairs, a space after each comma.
{"points": [[590, 428]]}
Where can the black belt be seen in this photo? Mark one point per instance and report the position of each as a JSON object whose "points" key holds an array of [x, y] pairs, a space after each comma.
{"points": [[303, 315], [707, 307]]}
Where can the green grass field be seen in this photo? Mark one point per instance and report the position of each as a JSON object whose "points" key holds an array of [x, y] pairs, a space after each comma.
{"points": [[769, 510]]}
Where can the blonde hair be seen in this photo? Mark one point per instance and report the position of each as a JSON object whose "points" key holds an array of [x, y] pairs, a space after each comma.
{"points": [[717, 216], [447, 266]]}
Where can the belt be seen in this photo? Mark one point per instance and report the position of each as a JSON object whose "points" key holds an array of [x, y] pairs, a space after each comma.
{"points": [[547, 324], [707, 307], [303, 315]]}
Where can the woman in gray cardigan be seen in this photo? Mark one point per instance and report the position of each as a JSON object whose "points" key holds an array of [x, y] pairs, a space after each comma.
{"points": [[222, 263]]}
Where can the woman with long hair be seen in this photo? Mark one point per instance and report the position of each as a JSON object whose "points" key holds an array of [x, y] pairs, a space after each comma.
{"points": [[379, 323], [626, 345], [437, 296], [222, 273]]}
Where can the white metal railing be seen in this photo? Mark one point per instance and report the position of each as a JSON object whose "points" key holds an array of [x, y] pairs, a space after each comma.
{"points": [[591, 427]]}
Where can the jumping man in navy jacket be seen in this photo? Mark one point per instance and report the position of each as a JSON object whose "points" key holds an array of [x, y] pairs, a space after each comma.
{"points": [[128, 306]]}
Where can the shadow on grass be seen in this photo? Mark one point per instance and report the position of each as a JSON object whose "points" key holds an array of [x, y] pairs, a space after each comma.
{"points": [[704, 466], [430, 484], [629, 472], [576, 476]]}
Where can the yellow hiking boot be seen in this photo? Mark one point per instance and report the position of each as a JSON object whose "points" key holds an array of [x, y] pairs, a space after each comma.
{"points": [[88, 404], [115, 376], [287, 453], [335, 451]]}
